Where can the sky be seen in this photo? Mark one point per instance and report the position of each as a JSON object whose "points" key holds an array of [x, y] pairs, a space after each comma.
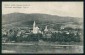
{"points": [[72, 9]]}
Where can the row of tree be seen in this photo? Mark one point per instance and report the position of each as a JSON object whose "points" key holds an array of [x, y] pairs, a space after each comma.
{"points": [[60, 37]]}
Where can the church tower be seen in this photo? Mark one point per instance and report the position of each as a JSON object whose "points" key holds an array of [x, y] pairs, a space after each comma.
{"points": [[34, 25], [35, 28], [46, 29]]}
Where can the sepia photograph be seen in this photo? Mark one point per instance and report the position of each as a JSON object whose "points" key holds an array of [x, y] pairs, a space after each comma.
{"points": [[42, 27]]}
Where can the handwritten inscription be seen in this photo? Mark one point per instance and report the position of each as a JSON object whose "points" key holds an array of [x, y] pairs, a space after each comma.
{"points": [[16, 5]]}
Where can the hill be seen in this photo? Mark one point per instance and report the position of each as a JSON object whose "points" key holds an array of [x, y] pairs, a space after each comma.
{"points": [[21, 19]]}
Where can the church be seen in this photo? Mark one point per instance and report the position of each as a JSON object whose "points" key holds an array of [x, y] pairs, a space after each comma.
{"points": [[37, 30]]}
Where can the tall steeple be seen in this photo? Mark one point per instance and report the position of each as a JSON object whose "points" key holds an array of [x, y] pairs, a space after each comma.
{"points": [[46, 29], [34, 24], [35, 29]]}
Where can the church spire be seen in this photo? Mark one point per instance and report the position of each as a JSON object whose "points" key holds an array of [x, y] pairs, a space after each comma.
{"points": [[35, 28], [34, 24], [46, 29]]}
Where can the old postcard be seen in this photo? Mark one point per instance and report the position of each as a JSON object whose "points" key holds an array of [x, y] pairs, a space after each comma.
{"points": [[42, 27]]}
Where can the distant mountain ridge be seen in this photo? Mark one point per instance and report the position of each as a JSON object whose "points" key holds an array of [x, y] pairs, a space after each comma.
{"points": [[21, 19]]}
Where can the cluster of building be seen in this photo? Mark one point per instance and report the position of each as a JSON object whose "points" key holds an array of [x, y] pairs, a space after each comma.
{"points": [[37, 30], [46, 33]]}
